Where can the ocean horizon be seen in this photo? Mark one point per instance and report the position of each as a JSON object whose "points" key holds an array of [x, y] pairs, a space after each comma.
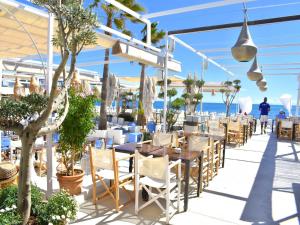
{"points": [[220, 108]]}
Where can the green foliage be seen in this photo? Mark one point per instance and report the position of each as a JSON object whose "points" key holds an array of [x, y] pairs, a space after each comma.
{"points": [[200, 83], [188, 82], [177, 103], [76, 23], [75, 128], [118, 17], [8, 202], [186, 95], [127, 117], [229, 92], [23, 109], [10, 216], [60, 209], [156, 35], [198, 97], [171, 92], [162, 82]]}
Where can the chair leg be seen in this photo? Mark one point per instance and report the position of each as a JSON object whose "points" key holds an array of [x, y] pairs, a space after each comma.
{"points": [[167, 206], [94, 192], [117, 195]]}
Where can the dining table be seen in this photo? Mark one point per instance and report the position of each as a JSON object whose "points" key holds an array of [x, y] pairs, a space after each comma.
{"points": [[157, 151], [187, 157]]}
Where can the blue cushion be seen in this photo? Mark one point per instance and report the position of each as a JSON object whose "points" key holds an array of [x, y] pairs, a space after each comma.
{"points": [[151, 126]]}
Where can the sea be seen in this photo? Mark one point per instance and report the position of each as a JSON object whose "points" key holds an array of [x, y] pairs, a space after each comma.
{"points": [[220, 108]]}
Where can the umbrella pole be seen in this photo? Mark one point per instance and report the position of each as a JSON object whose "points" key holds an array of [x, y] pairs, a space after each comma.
{"points": [[165, 82]]}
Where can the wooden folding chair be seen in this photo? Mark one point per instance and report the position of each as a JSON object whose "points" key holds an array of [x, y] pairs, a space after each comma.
{"points": [[160, 139], [200, 143], [155, 174], [105, 166], [285, 129], [235, 133]]}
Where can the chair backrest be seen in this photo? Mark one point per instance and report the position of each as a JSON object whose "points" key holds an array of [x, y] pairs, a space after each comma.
{"points": [[162, 139], [120, 121], [197, 143], [156, 168], [286, 124], [234, 126], [102, 159], [212, 124], [114, 120], [190, 129]]}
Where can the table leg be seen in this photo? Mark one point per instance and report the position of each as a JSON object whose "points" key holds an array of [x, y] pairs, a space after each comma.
{"points": [[186, 187], [224, 148], [200, 178], [130, 164], [294, 132]]}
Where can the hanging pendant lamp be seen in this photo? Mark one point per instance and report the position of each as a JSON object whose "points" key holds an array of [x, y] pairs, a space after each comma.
{"points": [[263, 89], [261, 83], [244, 49], [254, 73]]}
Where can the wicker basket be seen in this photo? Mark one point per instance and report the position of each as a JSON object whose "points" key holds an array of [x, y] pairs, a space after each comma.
{"points": [[7, 170]]}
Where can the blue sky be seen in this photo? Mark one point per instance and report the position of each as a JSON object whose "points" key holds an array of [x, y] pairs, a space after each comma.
{"points": [[275, 34]]}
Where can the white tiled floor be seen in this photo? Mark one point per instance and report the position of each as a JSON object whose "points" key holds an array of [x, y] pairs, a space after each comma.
{"points": [[260, 184]]}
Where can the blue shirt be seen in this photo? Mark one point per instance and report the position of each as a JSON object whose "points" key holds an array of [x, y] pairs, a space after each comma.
{"points": [[264, 108]]}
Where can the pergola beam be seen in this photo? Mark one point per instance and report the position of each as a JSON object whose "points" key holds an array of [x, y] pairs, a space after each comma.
{"points": [[179, 41], [235, 25]]}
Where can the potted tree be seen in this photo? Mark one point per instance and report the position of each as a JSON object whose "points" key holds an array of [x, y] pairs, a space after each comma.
{"points": [[73, 132]]}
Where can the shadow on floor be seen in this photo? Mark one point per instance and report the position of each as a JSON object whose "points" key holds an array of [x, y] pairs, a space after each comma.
{"points": [[258, 208]]}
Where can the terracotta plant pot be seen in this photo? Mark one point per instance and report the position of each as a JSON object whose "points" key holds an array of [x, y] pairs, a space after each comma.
{"points": [[72, 184]]}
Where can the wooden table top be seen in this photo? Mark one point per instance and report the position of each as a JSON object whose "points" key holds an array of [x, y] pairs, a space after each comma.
{"points": [[131, 147], [184, 155]]}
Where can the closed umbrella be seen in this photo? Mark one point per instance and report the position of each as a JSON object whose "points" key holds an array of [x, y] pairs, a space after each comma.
{"points": [[19, 89], [111, 89], [148, 98]]}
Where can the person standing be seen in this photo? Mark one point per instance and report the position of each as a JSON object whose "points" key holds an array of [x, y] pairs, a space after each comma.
{"points": [[264, 109]]}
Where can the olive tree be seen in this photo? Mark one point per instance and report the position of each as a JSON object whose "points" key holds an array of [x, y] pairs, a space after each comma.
{"points": [[231, 88], [28, 115]]}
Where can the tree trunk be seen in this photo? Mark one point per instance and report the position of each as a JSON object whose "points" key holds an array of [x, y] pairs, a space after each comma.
{"points": [[24, 188], [103, 116], [140, 118]]}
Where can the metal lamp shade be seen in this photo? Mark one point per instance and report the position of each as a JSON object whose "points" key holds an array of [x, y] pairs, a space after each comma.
{"points": [[255, 73], [244, 49], [261, 83], [263, 89]]}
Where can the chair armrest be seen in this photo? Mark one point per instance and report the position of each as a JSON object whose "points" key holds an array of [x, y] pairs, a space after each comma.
{"points": [[125, 157], [174, 163], [145, 142]]}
